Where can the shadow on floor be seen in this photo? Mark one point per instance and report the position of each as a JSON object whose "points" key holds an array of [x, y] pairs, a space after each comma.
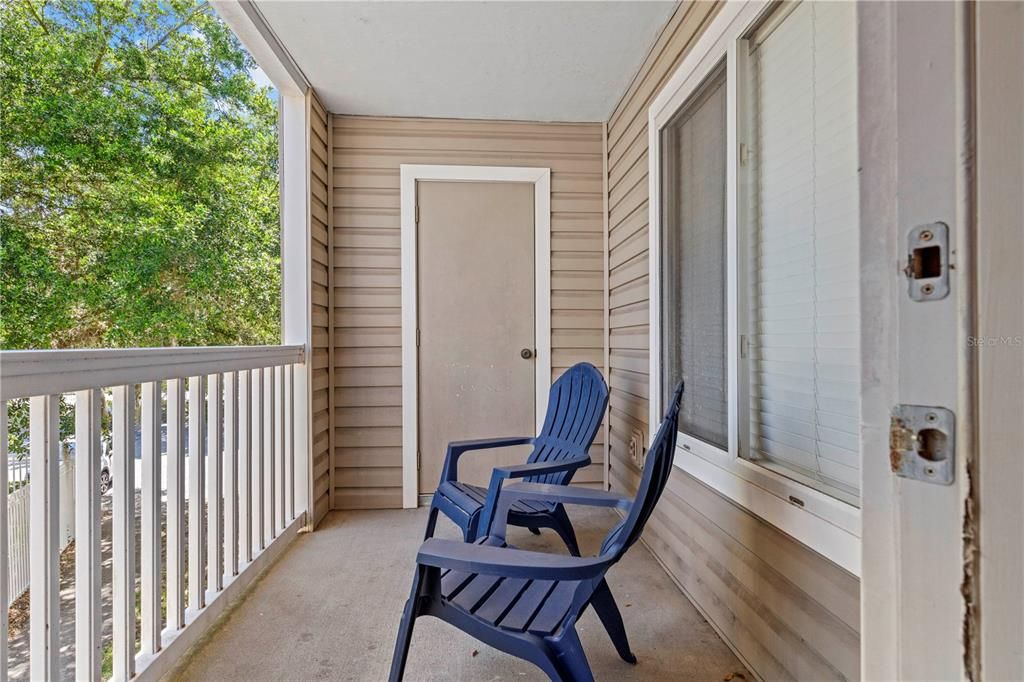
{"points": [[329, 609]]}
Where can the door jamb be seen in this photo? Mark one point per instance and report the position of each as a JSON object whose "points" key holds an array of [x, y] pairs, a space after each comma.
{"points": [[410, 175], [920, 540]]}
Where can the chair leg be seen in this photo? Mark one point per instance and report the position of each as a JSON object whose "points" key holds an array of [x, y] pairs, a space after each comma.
{"points": [[404, 639], [566, 660], [604, 603], [563, 526], [431, 522]]}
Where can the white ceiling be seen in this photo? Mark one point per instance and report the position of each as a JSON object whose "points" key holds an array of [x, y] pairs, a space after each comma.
{"points": [[541, 61]]}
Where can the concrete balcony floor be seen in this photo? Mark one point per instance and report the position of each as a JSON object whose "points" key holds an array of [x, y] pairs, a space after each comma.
{"points": [[329, 609]]}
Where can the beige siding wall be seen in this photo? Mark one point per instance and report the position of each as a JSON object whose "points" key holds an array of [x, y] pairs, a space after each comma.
{"points": [[790, 613], [318, 183], [366, 154]]}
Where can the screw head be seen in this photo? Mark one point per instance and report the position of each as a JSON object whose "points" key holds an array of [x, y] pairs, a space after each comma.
{"points": [[927, 289], [926, 235], [932, 417]]}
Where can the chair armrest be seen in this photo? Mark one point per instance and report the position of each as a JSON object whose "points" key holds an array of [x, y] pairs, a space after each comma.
{"points": [[540, 468], [500, 474], [567, 495], [456, 449], [507, 562], [542, 492]]}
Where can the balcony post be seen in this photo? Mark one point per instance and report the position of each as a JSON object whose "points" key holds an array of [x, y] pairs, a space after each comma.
{"points": [[296, 301]]}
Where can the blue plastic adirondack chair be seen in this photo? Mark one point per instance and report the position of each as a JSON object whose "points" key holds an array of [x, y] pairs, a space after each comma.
{"points": [[527, 603], [576, 405]]}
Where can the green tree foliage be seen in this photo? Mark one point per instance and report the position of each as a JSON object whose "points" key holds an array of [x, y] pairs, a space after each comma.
{"points": [[138, 181], [138, 202]]}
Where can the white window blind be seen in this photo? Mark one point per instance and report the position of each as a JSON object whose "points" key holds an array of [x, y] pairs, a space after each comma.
{"points": [[803, 325], [693, 262]]}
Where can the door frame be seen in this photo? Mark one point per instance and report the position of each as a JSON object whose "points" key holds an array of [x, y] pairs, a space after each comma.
{"points": [[919, 573], [411, 174]]}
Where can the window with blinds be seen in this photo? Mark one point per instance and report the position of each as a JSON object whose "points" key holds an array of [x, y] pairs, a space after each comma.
{"points": [[693, 265], [801, 333]]}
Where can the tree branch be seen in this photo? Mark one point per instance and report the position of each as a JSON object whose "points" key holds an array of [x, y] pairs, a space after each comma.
{"points": [[177, 27], [37, 17], [106, 40]]}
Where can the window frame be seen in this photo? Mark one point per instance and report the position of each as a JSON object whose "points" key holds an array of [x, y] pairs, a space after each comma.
{"points": [[826, 524]]}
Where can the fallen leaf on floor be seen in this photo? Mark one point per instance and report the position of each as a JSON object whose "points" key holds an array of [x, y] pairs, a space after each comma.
{"points": [[475, 652], [734, 676], [628, 605]]}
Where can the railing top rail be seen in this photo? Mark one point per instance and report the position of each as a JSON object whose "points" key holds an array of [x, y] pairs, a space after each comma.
{"points": [[25, 373]]}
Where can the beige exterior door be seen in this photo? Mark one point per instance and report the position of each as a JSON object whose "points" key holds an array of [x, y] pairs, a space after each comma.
{"points": [[476, 316]]}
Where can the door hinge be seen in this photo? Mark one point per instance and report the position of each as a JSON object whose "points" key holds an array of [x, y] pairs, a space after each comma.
{"points": [[417, 214], [419, 460], [744, 154], [417, 337], [922, 443]]}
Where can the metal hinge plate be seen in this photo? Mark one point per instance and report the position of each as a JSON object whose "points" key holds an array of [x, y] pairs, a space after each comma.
{"points": [[745, 153], [922, 443]]}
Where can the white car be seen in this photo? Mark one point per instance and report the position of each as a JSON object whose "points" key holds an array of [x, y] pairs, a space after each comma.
{"points": [[106, 481]]}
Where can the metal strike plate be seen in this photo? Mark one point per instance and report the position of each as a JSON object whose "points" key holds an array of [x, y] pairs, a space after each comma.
{"points": [[922, 443], [927, 268]]}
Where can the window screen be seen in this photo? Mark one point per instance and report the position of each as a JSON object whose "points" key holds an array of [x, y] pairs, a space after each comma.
{"points": [[693, 268], [803, 368]]}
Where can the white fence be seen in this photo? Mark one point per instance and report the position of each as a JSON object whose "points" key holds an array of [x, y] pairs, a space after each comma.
{"points": [[17, 470], [18, 527], [247, 472]]}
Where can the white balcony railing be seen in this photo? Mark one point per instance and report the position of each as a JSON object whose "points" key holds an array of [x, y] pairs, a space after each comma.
{"points": [[224, 487]]}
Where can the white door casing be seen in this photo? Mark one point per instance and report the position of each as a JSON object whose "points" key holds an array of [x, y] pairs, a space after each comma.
{"points": [[410, 175], [999, 344], [919, 538]]}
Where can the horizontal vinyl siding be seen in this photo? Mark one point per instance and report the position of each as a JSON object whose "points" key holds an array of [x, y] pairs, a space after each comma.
{"points": [[366, 154], [790, 613], [318, 177]]}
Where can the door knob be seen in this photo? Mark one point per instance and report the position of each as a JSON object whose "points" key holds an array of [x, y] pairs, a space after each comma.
{"points": [[526, 354]]}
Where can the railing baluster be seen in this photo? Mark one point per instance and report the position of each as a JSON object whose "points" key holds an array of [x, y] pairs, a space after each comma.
{"points": [[66, 495], [44, 553], [303, 443], [231, 473], [257, 450], [88, 640], [123, 473], [152, 556], [245, 465], [269, 445], [196, 489], [214, 485], [5, 570], [289, 440], [175, 504], [279, 521]]}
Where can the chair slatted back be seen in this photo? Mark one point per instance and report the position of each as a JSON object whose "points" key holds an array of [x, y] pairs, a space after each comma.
{"points": [[576, 406], [657, 469]]}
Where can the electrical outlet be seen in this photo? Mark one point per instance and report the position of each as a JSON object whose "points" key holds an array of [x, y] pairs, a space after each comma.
{"points": [[637, 451]]}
